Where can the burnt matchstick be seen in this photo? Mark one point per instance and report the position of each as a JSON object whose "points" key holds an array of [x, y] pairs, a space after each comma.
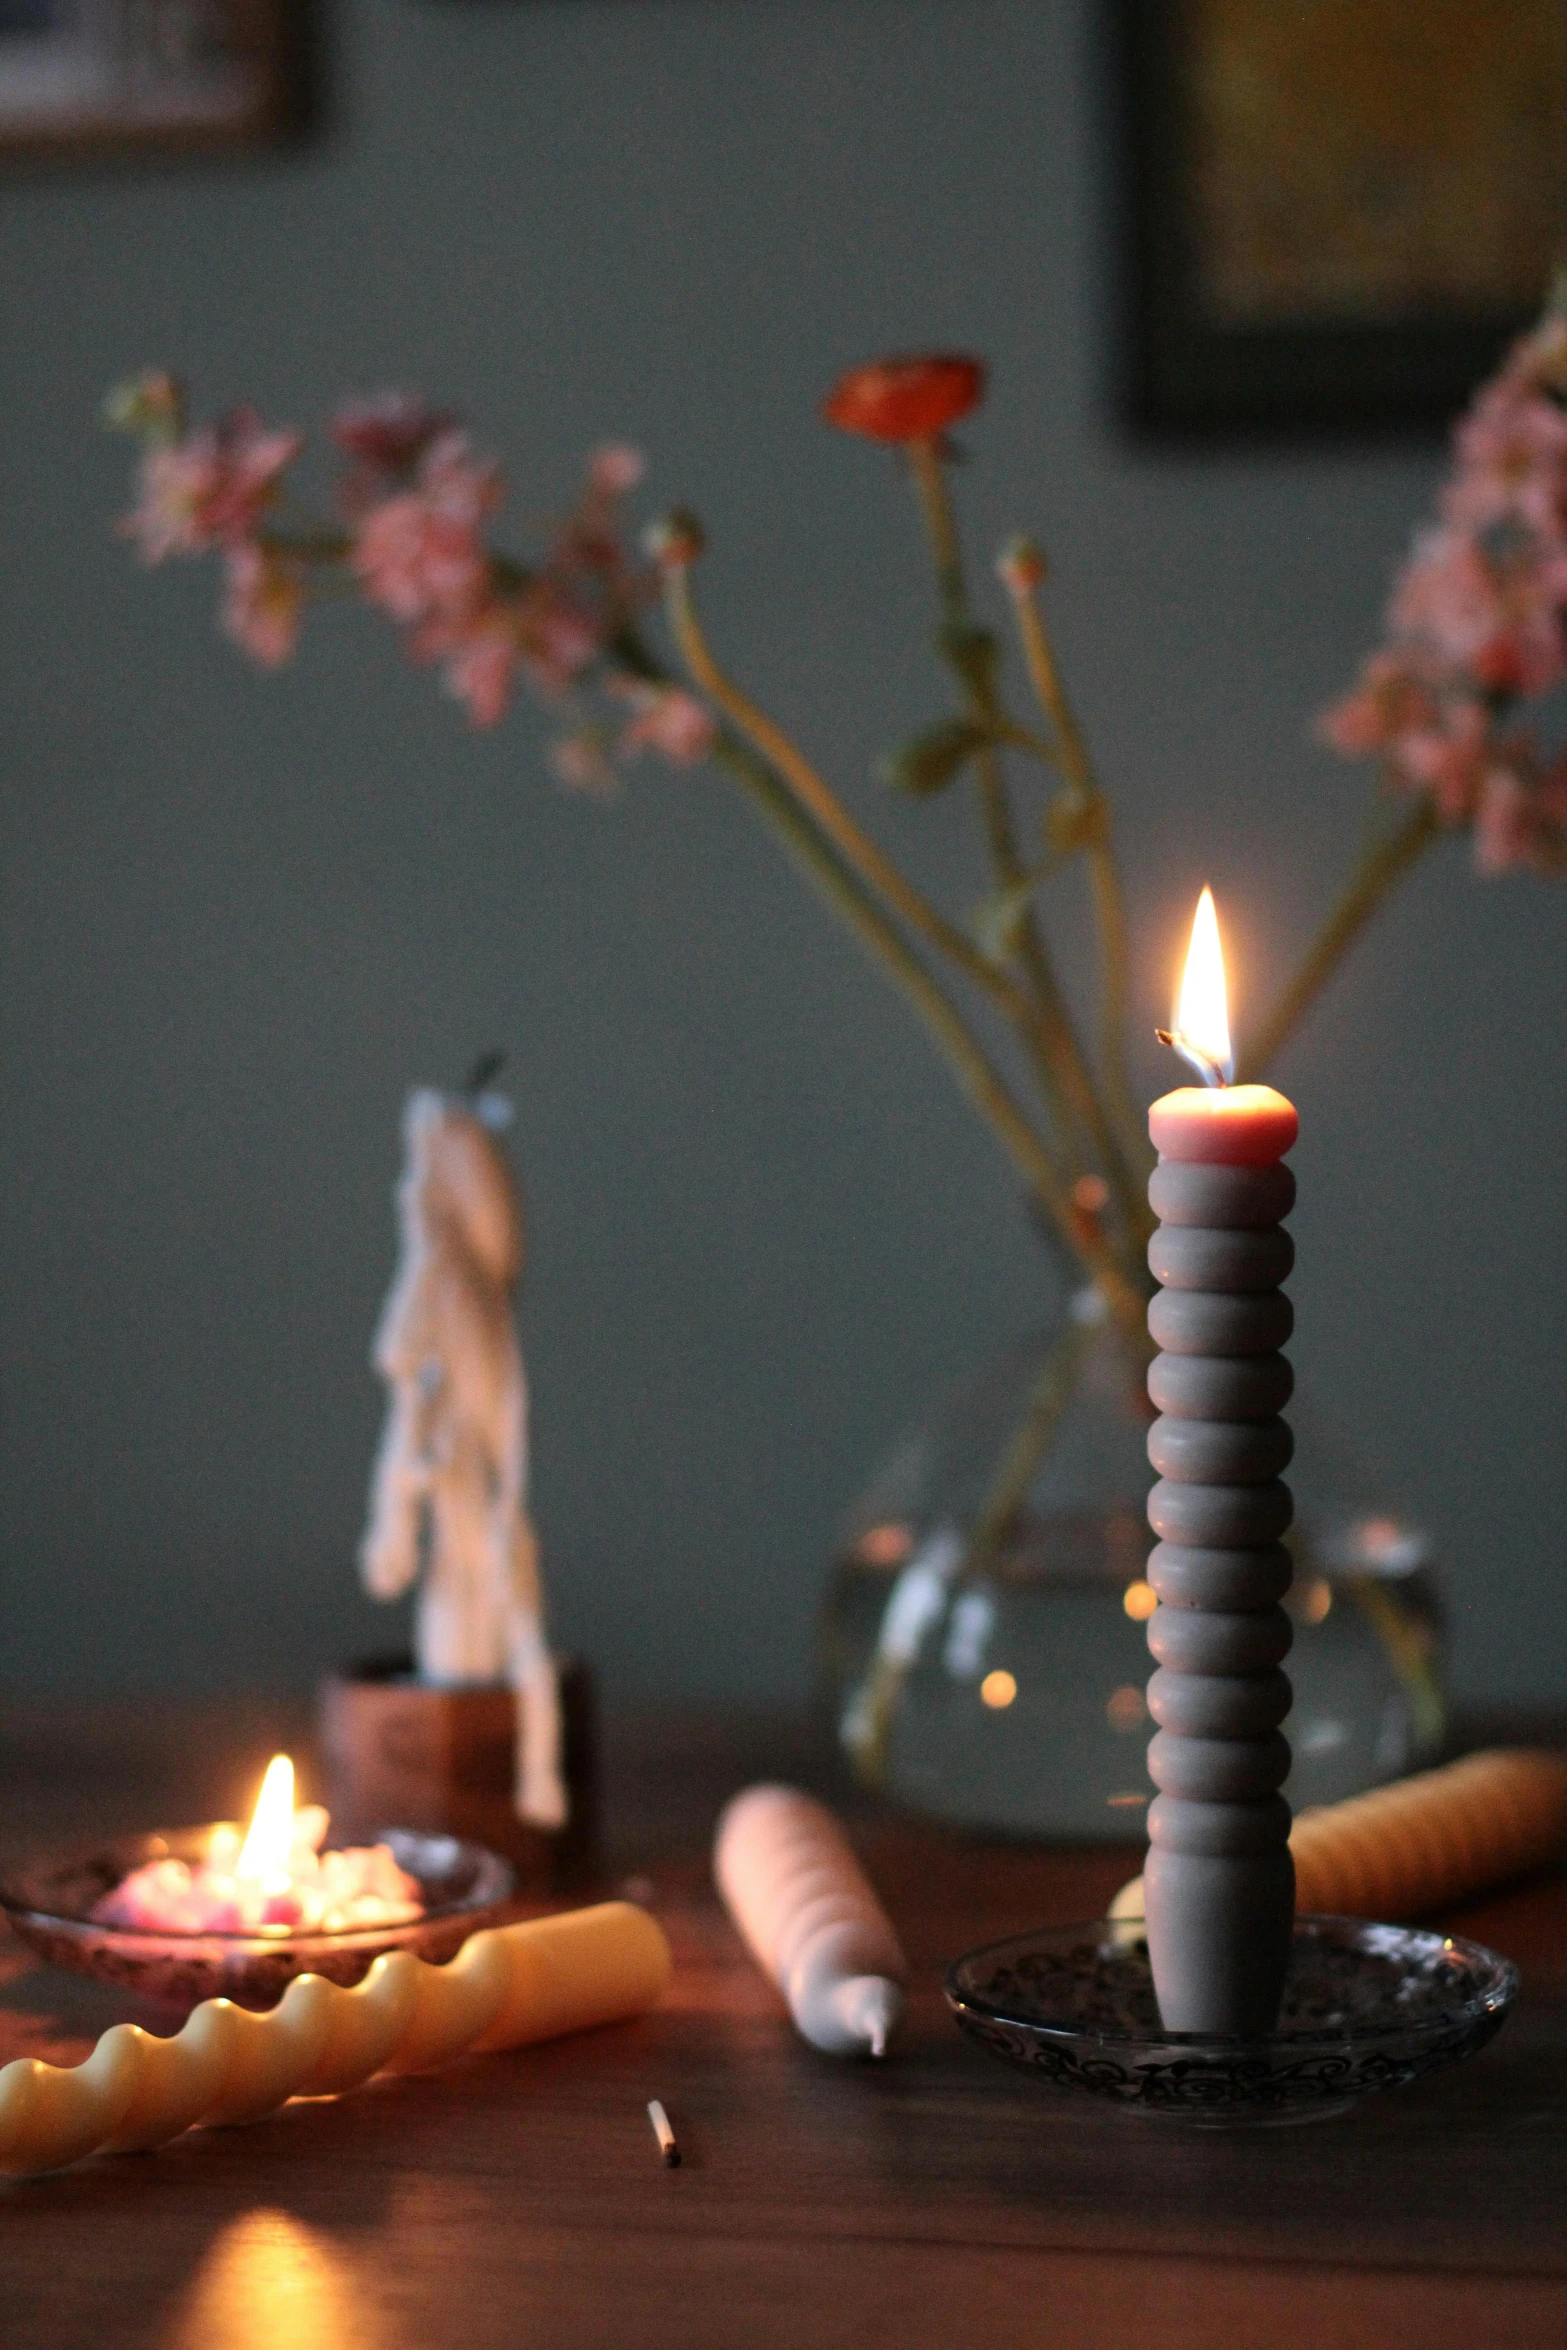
{"points": [[668, 2145]]}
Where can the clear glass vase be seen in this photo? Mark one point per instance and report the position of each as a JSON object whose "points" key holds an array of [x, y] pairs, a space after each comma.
{"points": [[984, 1633]]}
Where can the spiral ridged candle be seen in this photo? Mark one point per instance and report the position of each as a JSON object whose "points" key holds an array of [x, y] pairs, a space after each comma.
{"points": [[507, 1986], [1219, 1886]]}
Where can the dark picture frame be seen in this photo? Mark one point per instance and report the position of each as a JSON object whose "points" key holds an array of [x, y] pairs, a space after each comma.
{"points": [[119, 80], [1242, 311]]}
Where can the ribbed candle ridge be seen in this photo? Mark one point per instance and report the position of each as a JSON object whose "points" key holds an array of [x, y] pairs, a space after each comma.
{"points": [[1219, 1883]]}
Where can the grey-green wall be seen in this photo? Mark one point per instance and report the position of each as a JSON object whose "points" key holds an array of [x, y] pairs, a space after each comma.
{"points": [[241, 914]]}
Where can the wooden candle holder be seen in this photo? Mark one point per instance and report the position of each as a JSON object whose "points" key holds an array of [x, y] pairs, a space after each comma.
{"points": [[399, 1753]]}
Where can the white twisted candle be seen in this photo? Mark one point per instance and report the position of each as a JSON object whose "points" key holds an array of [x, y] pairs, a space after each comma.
{"points": [[806, 1909], [507, 1986]]}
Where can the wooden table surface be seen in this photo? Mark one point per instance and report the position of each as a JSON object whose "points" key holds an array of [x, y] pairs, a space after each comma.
{"points": [[936, 2202]]}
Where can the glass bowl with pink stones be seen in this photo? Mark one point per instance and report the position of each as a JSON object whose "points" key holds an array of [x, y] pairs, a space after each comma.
{"points": [[51, 1906]]}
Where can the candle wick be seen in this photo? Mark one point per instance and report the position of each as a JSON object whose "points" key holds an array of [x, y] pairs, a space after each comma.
{"points": [[1207, 1068]]}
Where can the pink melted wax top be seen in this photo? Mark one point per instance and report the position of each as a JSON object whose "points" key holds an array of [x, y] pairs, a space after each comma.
{"points": [[1223, 1125], [315, 1892]]}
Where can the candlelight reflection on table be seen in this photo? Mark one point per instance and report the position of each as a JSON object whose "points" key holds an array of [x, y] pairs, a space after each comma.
{"points": [[269, 2282]]}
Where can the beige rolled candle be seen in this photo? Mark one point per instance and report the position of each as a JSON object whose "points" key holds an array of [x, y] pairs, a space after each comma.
{"points": [[808, 1915], [506, 1987]]}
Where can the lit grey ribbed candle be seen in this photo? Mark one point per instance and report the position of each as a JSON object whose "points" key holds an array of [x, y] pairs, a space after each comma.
{"points": [[1219, 1887]]}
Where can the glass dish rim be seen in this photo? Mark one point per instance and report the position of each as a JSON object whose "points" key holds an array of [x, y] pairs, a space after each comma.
{"points": [[1494, 1998]]}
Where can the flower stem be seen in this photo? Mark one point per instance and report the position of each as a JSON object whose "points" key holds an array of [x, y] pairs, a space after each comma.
{"points": [[976, 1073], [1072, 757], [1048, 1399], [1054, 1042], [794, 815], [931, 483], [853, 843], [1383, 865], [327, 547], [871, 1710]]}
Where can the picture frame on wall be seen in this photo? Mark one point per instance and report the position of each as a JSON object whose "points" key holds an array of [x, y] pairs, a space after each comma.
{"points": [[1335, 212], [153, 78]]}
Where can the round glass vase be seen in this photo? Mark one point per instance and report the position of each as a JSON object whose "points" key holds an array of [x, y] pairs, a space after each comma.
{"points": [[983, 1638]]}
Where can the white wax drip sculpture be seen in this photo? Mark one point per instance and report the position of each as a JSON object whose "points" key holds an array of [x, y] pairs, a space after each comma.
{"points": [[449, 1494]]}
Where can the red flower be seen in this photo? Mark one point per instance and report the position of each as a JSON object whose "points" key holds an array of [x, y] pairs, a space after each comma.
{"points": [[906, 399]]}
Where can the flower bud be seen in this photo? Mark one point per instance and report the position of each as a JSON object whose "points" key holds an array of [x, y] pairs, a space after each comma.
{"points": [[150, 405], [1021, 567], [1090, 1198], [928, 762], [676, 540]]}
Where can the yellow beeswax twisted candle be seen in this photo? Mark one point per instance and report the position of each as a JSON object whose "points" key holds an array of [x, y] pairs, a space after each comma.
{"points": [[1402, 1850], [505, 1987]]}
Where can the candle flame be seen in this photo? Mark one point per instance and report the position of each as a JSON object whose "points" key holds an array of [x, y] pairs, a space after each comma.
{"points": [[1202, 1022], [264, 1852]]}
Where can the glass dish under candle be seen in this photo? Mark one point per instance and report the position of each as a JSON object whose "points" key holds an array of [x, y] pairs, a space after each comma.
{"points": [[1365, 2007], [50, 1906]]}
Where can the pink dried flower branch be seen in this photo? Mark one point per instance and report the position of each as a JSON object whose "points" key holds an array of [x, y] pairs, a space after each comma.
{"points": [[420, 554], [1477, 626], [417, 504], [264, 592], [1476, 639], [389, 432], [210, 488], [667, 719]]}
